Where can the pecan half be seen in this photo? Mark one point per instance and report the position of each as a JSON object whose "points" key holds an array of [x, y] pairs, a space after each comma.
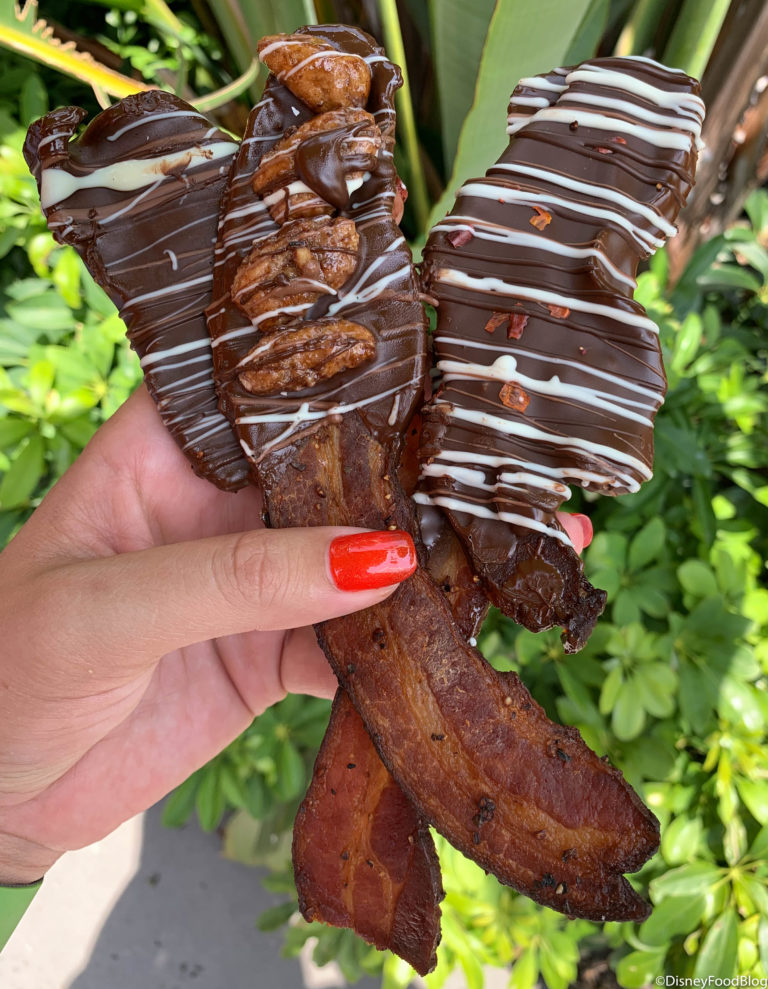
{"points": [[328, 155], [300, 358], [284, 274], [316, 72]]}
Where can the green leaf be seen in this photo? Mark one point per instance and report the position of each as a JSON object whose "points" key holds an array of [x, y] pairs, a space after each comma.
{"points": [[459, 30], [209, 799], [13, 430], [729, 276], [626, 607], [656, 686], [525, 972], [291, 774], [739, 704], [233, 788], [694, 35], [687, 342], [717, 955], [556, 971], [180, 804], [674, 916], [762, 941], [508, 55], [473, 970], [638, 969], [33, 99], [680, 839], [589, 33], [639, 30], [24, 475], [40, 381], [754, 796], [687, 880], [610, 690], [701, 493], [697, 578], [628, 717], [46, 313], [274, 917], [759, 848], [647, 544]]}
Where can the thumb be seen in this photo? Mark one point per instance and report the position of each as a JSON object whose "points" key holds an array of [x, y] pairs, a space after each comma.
{"points": [[142, 605]]}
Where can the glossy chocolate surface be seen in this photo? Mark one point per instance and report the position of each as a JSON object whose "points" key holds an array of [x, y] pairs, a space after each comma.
{"points": [[551, 373], [137, 194], [381, 294]]}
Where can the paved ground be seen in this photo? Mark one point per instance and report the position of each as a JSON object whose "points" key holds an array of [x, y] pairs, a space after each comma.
{"points": [[149, 908]]}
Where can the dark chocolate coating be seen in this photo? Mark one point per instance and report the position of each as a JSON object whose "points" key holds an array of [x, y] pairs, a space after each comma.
{"points": [[552, 374], [149, 246], [381, 295]]}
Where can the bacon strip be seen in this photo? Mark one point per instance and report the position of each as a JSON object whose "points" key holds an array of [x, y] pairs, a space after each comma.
{"points": [[551, 373], [362, 853], [137, 196], [346, 815], [523, 797]]}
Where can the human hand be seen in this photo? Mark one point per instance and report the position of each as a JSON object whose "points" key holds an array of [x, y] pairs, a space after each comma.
{"points": [[144, 617], [147, 617]]}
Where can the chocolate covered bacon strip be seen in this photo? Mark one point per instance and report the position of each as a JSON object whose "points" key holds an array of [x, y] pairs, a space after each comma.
{"points": [[309, 209], [523, 797], [551, 373], [137, 195]]}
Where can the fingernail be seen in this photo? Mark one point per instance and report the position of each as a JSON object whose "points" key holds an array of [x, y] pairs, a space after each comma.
{"points": [[586, 528], [365, 560]]}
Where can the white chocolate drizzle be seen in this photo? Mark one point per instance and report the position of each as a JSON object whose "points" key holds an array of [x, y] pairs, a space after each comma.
{"points": [[506, 445]]}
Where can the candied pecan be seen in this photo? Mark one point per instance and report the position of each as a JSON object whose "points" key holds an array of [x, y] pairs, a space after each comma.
{"points": [[302, 261], [316, 72], [286, 204], [300, 358], [348, 140]]}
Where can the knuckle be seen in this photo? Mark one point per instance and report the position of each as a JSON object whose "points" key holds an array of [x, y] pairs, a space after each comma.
{"points": [[253, 574]]}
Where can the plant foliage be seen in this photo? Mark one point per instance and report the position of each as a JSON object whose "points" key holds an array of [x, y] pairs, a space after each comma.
{"points": [[672, 686]]}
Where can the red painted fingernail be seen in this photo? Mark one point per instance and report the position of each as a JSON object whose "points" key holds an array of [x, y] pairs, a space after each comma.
{"points": [[586, 528], [366, 560]]}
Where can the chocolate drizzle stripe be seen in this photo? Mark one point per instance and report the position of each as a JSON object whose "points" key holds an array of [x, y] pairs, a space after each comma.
{"points": [[629, 204], [496, 286], [615, 379], [683, 102], [137, 195], [544, 251], [57, 185], [614, 479], [505, 369], [596, 120], [513, 428], [498, 234], [471, 505], [496, 189]]}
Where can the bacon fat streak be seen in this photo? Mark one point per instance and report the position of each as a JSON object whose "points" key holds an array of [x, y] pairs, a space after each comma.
{"points": [[551, 373]]}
